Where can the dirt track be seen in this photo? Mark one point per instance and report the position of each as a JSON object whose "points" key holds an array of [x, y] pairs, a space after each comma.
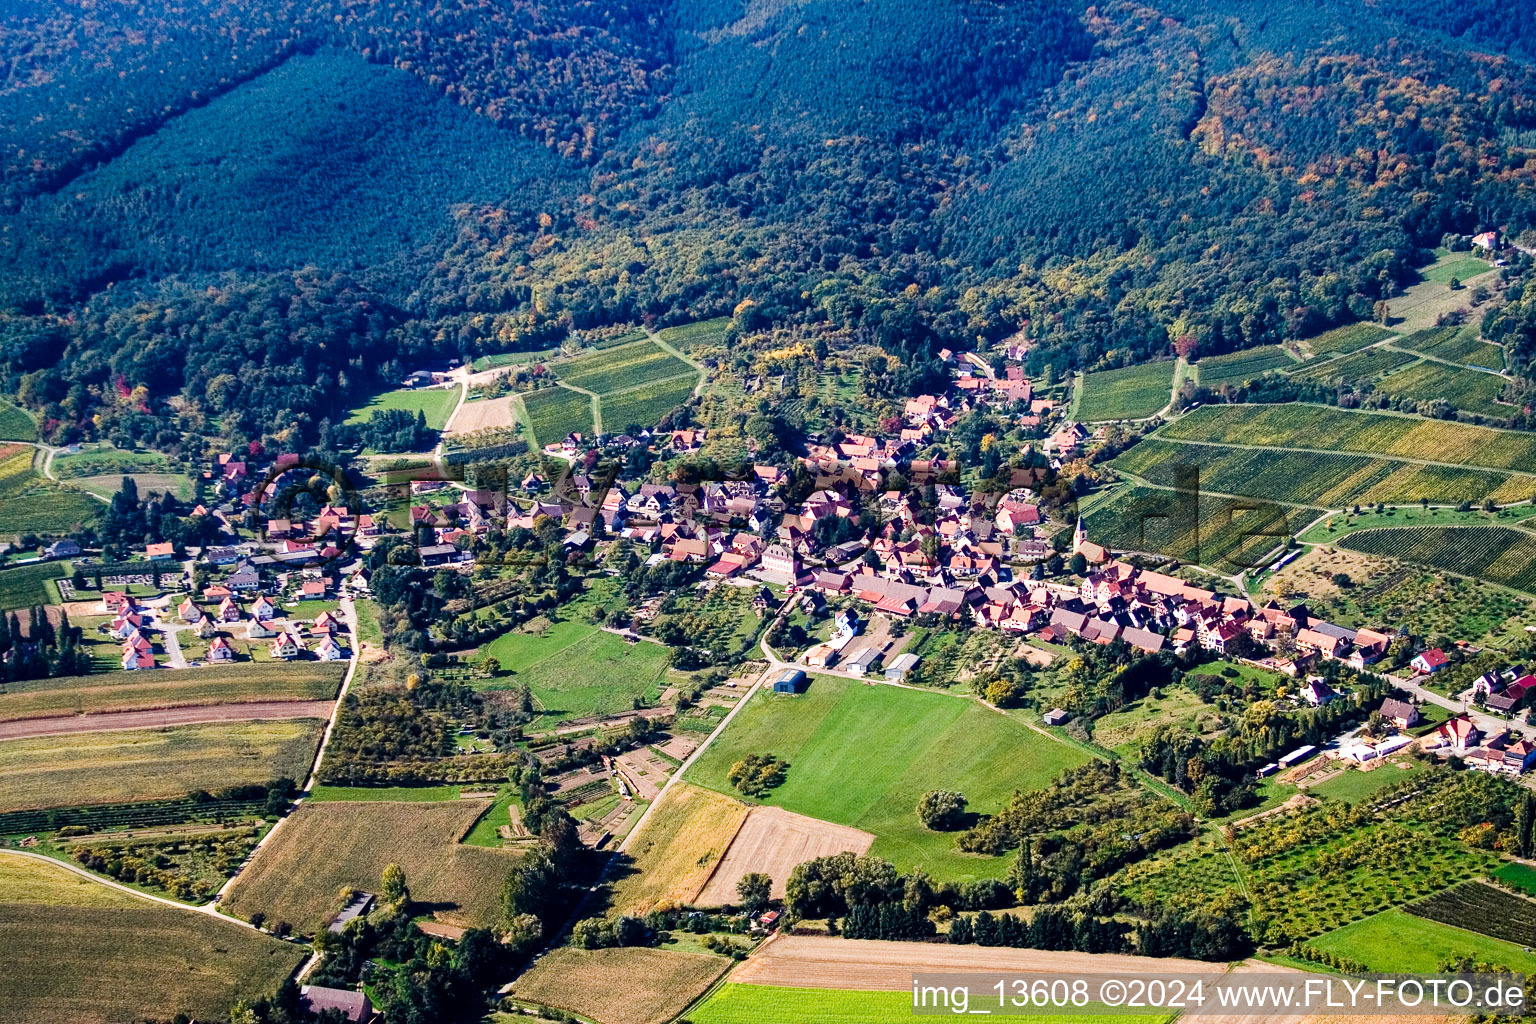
{"points": [[814, 961], [119, 720], [773, 841]]}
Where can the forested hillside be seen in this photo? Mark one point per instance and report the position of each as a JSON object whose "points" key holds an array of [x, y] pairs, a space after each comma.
{"points": [[340, 185]]}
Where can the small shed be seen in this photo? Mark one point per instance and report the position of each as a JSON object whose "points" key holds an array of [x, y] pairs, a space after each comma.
{"points": [[359, 905], [1297, 756], [792, 681], [897, 670], [1057, 716]]}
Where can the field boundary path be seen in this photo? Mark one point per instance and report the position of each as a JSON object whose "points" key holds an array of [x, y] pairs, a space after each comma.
{"points": [[673, 350]]}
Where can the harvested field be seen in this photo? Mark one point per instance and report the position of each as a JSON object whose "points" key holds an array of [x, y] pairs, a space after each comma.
{"points": [[325, 846], [139, 691], [114, 721], [688, 832], [632, 985], [492, 413], [151, 764], [92, 958], [816, 961], [773, 841]]}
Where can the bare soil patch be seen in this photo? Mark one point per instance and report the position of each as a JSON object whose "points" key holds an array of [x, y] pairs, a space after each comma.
{"points": [[491, 413], [869, 965], [773, 841]]}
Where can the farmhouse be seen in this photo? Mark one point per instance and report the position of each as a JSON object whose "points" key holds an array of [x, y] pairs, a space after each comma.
{"points": [[1431, 661], [1458, 735], [353, 1006], [1400, 713]]}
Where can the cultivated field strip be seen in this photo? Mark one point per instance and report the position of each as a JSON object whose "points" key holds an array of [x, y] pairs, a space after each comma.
{"points": [[1238, 367], [1479, 907], [1227, 533], [1471, 390], [773, 841], [1317, 479], [1497, 554], [624, 367], [871, 965], [1349, 338], [1326, 428], [1362, 366]]}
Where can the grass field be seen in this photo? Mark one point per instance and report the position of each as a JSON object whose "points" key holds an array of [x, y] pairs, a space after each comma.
{"points": [[1313, 426], [1497, 554], [574, 668], [775, 1004], [150, 764], [177, 485], [1518, 876], [435, 402], [672, 857], [1225, 533], [1237, 367], [863, 756], [555, 412], [1323, 480], [631, 985], [129, 691], [94, 955], [1457, 265], [29, 503], [1354, 785], [16, 423], [27, 585], [1398, 942], [646, 405], [325, 846], [1471, 390], [627, 366], [1123, 731], [391, 794], [107, 460], [1132, 392], [1349, 338]]}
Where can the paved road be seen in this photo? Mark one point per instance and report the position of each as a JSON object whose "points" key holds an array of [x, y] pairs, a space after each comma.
{"points": [[1489, 724], [117, 721]]}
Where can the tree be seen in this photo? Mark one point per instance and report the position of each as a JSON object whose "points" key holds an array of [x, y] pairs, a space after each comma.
{"points": [[754, 890], [999, 692], [396, 893], [941, 810], [1383, 316], [1079, 564], [1525, 825]]}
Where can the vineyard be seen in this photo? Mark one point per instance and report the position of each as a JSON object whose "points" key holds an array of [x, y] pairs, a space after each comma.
{"points": [[1349, 338], [1456, 345], [646, 405], [702, 334], [1482, 908], [1498, 554], [1471, 390], [555, 412], [1355, 369], [1312, 426], [1133, 392], [27, 585], [1320, 480], [138, 815], [616, 369], [15, 423], [1239, 367], [1222, 534], [30, 504]]}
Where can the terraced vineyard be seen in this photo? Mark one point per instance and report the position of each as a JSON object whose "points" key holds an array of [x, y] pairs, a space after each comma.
{"points": [[1132, 392], [1324, 427], [1497, 554], [1355, 369], [1226, 533], [1455, 344], [555, 412], [627, 366], [645, 406], [1320, 480], [1349, 338], [1237, 367], [1471, 390]]}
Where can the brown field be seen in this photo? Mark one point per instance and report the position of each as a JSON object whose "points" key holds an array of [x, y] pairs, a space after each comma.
{"points": [[633, 985], [325, 846], [773, 841], [132, 691], [687, 833], [99, 956], [870, 965], [116, 721], [152, 764], [500, 413]]}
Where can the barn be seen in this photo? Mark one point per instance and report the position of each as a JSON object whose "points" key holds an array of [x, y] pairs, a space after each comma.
{"points": [[792, 681]]}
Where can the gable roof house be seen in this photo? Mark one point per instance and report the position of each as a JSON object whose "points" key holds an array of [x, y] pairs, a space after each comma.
{"points": [[1400, 713]]}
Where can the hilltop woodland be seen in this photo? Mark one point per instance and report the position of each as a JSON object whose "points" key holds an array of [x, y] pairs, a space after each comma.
{"points": [[235, 220]]}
